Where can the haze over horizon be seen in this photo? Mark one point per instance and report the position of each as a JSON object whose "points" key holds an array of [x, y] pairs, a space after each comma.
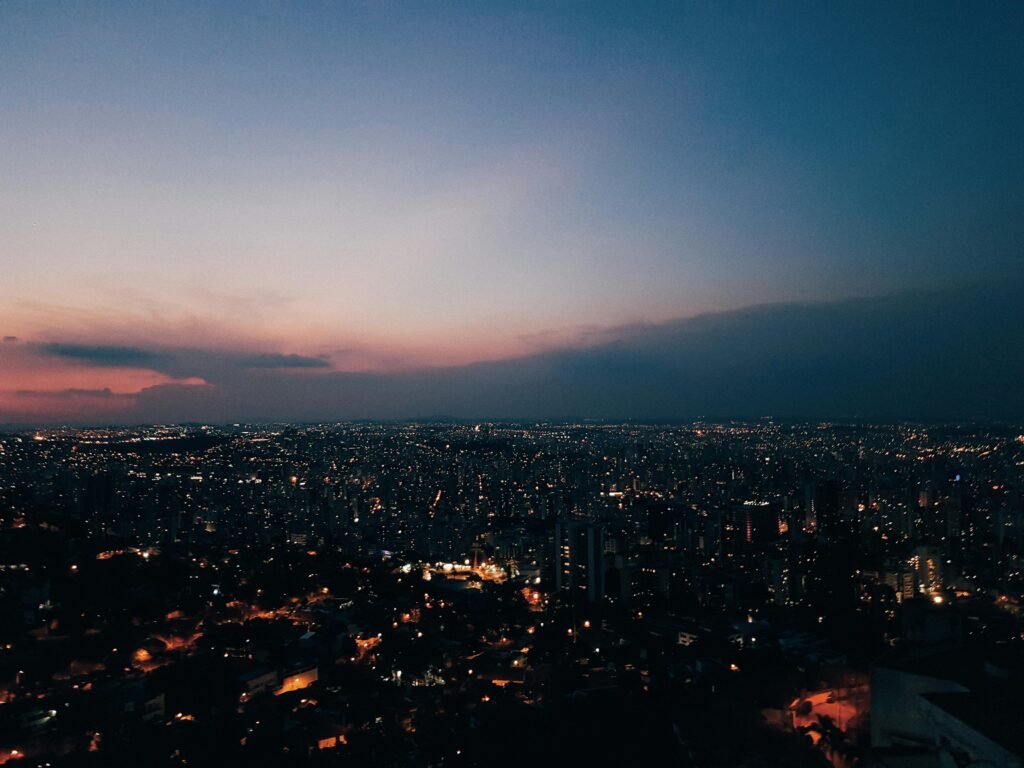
{"points": [[279, 211]]}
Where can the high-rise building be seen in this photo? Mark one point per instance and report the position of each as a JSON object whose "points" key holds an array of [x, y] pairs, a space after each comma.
{"points": [[821, 506], [579, 560], [758, 522]]}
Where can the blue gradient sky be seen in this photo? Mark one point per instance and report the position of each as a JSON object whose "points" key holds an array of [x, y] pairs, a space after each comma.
{"points": [[390, 186]]}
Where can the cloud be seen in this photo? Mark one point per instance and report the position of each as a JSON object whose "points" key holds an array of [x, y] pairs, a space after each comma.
{"points": [[180, 362], [103, 355], [73, 393], [950, 355], [283, 361], [10, 339]]}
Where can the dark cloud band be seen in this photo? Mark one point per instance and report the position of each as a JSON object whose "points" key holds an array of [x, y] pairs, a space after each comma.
{"points": [[102, 354]]}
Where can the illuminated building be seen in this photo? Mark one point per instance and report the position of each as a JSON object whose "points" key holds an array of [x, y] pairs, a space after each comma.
{"points": [[579, 560]]}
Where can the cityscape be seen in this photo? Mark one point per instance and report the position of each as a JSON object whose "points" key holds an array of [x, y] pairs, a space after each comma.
{"points": [[511, 383], [502, 593]]}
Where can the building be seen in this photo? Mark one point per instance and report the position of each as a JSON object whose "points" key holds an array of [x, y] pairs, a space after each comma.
{"points": [[579, 561], [947, 708]]}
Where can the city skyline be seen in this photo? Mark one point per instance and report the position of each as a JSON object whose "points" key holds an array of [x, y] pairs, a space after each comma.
{"points": [[475, 383], [510, 594]]}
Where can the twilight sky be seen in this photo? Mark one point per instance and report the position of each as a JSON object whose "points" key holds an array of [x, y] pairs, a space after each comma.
{"points": [[304, 210]]}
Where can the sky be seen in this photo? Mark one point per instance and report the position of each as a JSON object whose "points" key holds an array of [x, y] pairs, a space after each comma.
{"points": [[269, 210]]}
